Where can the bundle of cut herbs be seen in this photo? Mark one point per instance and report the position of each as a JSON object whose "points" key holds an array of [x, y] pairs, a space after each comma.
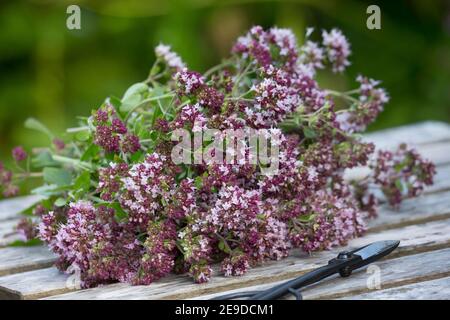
{"points": [[234, 166]]}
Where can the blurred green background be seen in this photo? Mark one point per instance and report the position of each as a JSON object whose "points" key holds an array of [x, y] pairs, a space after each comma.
{"points": [[55, 74]]}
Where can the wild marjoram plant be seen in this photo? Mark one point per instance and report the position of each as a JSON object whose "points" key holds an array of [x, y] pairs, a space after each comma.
{"points": [[119, 208]]}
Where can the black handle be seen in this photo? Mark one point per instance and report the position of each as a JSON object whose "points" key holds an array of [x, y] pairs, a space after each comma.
{"points": [[342, 265]]}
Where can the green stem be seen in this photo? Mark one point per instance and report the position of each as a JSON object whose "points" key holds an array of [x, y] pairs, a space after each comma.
{"points": [[167, 95], [73, 162], [77, 129], [239, 77], [217, 68], [342, 95]]}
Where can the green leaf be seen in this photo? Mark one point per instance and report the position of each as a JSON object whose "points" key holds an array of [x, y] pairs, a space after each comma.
{"points": [[83, 135], [33, 124], [83, 181], [116, 102], [307, 218], [309, 133], [198, 182], [222, 245], [120, 213], [137, 156], [60, 202], [29, 243], [400, 186], [133, 96], [49, 190], [58, 176], [43, 159], [90, 152]]}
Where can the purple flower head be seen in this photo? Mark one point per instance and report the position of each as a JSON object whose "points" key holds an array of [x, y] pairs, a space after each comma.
{"points": [[10, 191], [130, 143], [26, 229], [372, 100], [118, 126], [112, 134], [337, 49], [59, 144], [200, 272], [188, 82], [275, 46], [236, 265], [275, 97], [211, 99], [144, 187], [172, 60], [312, 55], [19, 154], [110, 180], [402, 173]]}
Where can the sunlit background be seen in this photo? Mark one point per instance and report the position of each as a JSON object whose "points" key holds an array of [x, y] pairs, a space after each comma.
{"points": [[55, 74]]}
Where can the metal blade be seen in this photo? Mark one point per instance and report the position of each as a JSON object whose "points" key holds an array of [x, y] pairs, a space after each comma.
{"points": [[377, 249]]}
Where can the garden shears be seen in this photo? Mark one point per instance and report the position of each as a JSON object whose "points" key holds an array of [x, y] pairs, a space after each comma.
{"points": [[344, 264]]}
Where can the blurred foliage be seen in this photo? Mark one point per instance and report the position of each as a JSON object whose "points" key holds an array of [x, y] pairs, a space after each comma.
{"points": [[55, 74]]}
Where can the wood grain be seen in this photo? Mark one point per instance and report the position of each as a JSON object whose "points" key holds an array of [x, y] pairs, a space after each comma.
{"points": [[34, 284], [438, 289], [10, 208], [7, 232], [414, 134], [21, 259]]}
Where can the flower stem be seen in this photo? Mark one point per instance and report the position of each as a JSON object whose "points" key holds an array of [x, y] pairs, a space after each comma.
{"points": [[74, 162]]}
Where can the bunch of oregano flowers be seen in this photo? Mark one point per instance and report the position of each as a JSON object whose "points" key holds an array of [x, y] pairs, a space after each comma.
{"points": [[119, 205]]}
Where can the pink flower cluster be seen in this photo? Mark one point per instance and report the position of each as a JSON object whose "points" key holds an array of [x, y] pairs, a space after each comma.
{"points": [[372, 103], [337, 49], [169, 57], [19, 154], [7, 186], [402, 173], [112, 134]]}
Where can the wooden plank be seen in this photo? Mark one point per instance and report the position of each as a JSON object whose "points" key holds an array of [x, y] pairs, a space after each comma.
{"points": [[420, 133], [441, 179], [426, 208], [34, 284], [7, 232], [438, 152], [21, 259], [393, 273], [10, 208], [438, 289], [414, 239]]}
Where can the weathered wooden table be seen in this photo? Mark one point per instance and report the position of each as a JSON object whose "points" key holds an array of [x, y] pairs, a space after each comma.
{"points": [[418, 269]]}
